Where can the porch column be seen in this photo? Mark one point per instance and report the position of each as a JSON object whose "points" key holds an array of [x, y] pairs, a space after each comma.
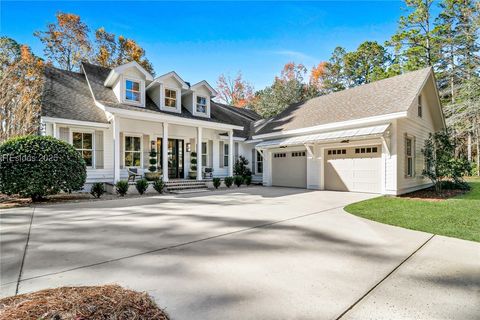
{"points": [[116, 148], [199, 153], [165, 152], [230, 153]]}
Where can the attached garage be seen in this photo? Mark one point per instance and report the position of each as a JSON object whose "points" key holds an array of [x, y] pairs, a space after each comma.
{"points": [[356, 169], [289, 168]]}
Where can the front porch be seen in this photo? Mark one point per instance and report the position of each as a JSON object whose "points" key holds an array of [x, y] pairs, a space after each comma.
{"points": [[175, 145]]}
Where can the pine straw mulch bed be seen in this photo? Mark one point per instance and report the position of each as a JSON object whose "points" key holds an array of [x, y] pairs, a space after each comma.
{"points": [[81, 303], [430, 194]]}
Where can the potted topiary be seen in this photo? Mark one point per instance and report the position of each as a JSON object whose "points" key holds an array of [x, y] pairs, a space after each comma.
{"points": [[193, 166], [153, 174]]}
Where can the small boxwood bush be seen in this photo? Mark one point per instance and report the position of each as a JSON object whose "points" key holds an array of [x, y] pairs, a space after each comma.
{"points": [[248, 180], [37, 166], [142, 186], [228, 181], [159, 185], [238, 180], [97, 190], [216, 182], [122, 187]]}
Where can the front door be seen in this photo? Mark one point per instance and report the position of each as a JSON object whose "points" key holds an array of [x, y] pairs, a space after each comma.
{"points": [[175, 157]]}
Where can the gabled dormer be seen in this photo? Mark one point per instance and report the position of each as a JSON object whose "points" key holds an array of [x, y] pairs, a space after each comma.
{"points": [[197, 99], [128, 82], [166, 91]]}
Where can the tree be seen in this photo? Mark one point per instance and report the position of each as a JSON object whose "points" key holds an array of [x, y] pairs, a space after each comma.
{"points": [[368, 63], [234, 91], [415, 43], [440, 160], [287, 89], [10, 52], [21, 87], [66, 41], [317, 75], [111, 51]]}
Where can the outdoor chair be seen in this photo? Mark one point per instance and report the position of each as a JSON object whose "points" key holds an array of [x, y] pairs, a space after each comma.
{"points": [[133, 173], [207, 173]]}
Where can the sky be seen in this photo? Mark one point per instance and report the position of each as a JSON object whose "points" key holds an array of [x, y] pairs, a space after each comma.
{"points": [[201, 40]]}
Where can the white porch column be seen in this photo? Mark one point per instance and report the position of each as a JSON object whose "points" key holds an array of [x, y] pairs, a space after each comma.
{"points": [[116, 148], [165, 152], [230, 153], [55, 130], [199, 153]]}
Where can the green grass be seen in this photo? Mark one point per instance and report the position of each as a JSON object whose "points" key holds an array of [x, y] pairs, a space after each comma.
{"points": [[457, 217]]}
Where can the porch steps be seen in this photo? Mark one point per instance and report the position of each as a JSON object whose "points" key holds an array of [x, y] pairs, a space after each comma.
{"points": [[184, 186]]}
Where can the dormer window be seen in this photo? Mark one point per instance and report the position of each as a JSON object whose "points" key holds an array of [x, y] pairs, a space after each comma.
{"points": [[201, 104], [170, 98], [419, 107], [132, 91]]}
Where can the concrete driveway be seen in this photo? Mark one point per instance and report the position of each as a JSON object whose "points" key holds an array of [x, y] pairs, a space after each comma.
{"points": [[250, 253]]}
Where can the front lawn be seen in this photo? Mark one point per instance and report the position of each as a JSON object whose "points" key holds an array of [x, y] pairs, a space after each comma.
{"points": [[456, 217]]}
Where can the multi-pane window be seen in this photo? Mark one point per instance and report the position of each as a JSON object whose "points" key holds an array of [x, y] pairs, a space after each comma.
{"points": [[366, 150], [204, 154], [83, 142], [298, 154], [133, 151], [170, 98], [225, 155], [259, 162], [279, 155], [201, 104], [409, 157], [132, 90], [420, 111], [337, 151]]}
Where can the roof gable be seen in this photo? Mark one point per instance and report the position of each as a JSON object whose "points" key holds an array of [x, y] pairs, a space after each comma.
{"points": [[115, 72], [205, 84]]}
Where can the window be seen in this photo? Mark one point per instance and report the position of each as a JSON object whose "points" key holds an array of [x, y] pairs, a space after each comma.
{"points": [[337, 151], [170, 98], [225, 155], [298, 154], [420, 106], [204, 154], [409, 157], [133, 151], [201, 104], [132, 90], [259, 162], [366, 150], [83, 142], [279, 155]]}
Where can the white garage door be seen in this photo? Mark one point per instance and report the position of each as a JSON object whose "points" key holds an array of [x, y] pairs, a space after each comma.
{"points": [[355, 169], [289, 169]]}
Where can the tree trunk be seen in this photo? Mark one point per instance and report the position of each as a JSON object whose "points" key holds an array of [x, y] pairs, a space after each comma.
{"points": [[469, 147], [478, 151]]}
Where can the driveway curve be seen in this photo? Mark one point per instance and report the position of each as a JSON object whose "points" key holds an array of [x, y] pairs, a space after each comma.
{"points": [[248, 253]]}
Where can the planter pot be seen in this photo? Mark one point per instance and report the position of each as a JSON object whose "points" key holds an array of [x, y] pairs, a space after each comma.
{"points": [[192, 174], [151, 176]]}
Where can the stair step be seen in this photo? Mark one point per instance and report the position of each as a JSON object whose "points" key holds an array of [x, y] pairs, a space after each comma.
{"points": [[187, 187]]}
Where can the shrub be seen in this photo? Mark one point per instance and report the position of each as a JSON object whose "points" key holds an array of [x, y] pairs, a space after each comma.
{"points": [[37, 166], [452, 185], [153, 160], [193, 162], [440, 161], [238, 180], [240, 168], [248, 180], [142, 186], [122, 187], [216, 182], [97, 190], [159, 185], [228, 181]]}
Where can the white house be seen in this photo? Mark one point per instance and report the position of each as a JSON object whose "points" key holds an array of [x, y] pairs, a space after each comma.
{"points": [[365, 139]]}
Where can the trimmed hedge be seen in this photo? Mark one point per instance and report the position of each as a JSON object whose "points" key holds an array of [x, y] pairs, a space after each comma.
{"points": [[37, 166]]}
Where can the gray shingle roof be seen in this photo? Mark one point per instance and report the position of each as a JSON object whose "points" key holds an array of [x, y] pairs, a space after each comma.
{"points": [[66, 95], [382, 97]]}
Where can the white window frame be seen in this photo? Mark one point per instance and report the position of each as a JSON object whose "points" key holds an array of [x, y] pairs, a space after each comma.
{"points": [[197, 104], [136, 135], [92, 132], [419, 106], [257, 154], [409, 157], [141, 91], [225, 154], [165, 98], [204, 163]]}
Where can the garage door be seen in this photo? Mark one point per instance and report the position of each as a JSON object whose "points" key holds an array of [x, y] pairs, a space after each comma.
{"points": [[289, 169], [355, 169]]}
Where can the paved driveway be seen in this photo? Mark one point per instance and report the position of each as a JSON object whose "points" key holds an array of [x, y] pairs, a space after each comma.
{"points": [[252, 253]]}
